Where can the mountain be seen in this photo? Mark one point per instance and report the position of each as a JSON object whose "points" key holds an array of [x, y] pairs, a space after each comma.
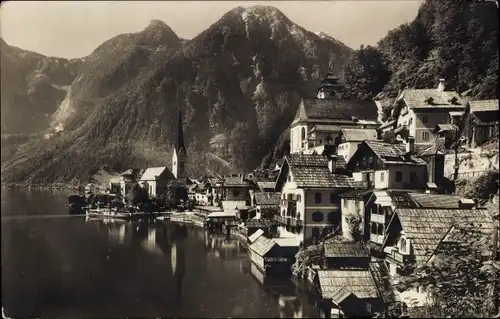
{"points": [[238, 84], [33, 86], [448, 39]]}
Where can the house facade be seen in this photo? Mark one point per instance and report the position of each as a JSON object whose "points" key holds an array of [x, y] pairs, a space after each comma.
{"points": [[236, 192], [419, 111], [388, 166], [350, 138], [310, 195], [483, 120], [155, 180]]}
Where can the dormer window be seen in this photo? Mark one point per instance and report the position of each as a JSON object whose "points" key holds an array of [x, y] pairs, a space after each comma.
{"points": [[429, 101], [453, 100]]}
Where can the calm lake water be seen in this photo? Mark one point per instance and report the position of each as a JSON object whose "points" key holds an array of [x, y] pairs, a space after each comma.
{"points": [[54, 265]]}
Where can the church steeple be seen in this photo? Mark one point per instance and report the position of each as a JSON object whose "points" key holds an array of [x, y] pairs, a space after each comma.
{"points": [[179, 155]]}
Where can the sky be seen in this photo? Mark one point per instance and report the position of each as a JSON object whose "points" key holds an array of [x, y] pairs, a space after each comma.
{"points": [[73, 29]]}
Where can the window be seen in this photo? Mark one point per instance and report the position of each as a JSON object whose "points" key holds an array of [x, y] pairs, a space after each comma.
{"points": [[289, 197], [333, 218], [424, 119], [382, 176], [425, 136], [315, 232], [413, 177], [333, 198], [346, 204], [317, 198], [374, 229], [402, 245], [410, 121], [320, 141], [289, 178], [317, 217], [399, 177], [299, 198], [380, 229], [303, 133], [236, 193]]}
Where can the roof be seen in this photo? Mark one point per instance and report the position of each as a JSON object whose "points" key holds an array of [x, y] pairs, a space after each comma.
{"points": [[358, 282], [483, 106], [416, 98], [252, 238], [446, 127], [486, 116], [356, 193], [396, 199], [436, 200], [393, 153], [438, 147], [427, 227], [326, 110], [234, 181], [128, 172], [262, 245], [325, 128], [380, 274], [267, 198], [320, 177], [359, 134], [287, 242], [261, 223], [344, 250], [221, 214], [264, 185], [152, 173], [307, 160]]}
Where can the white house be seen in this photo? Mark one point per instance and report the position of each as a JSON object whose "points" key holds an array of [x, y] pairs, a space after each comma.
{"points": [[156, 179]]}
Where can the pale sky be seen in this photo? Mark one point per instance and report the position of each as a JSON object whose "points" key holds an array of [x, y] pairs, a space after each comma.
{"points": [[74, 29]]}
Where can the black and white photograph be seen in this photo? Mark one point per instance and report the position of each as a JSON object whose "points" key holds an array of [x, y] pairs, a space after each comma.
{"points": [[250, 159]]}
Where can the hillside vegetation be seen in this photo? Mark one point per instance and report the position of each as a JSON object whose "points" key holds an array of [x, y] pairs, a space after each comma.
{"points": [[457, 41]]}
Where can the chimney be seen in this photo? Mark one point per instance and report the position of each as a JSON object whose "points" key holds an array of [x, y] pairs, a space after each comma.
{"points": [[410, 145], [466, 203], [441, 85]]}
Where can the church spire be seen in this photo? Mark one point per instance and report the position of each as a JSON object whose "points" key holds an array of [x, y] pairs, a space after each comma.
{"points": [[180, 134]]}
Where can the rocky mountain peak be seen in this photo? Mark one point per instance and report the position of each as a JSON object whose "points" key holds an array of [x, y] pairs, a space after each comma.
{"points": [[159, 30]]}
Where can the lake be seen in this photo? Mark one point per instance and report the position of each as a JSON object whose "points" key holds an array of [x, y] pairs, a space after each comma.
{"points": [[55, 265]]}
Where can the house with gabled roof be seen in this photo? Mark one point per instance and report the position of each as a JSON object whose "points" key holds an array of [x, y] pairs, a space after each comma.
{"points": [[388, 166], [265, 201], [350, 138], [236, 192], [483, 121], [419, 111], [318, 120], [415, 234], [345, 254], [156, 179], [310, 186]]}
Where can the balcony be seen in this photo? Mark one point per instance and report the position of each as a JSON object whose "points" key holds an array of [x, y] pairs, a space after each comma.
{"points": [[398, 257], [377, 218]]}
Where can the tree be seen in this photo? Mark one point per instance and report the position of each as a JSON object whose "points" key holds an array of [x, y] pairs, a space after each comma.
{"points": [[136, 195], [367, 75], [116, 203], [354, 222], [176, 192], [459, 278]]}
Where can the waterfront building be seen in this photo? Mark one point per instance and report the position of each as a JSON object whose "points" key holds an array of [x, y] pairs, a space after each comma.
{"points": [[267, 203], [156, 179], [310, 189], [236, 192], [267, 255]]}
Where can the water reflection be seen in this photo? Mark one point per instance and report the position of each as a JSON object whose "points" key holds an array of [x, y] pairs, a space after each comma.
{"points": [[73, 268]]}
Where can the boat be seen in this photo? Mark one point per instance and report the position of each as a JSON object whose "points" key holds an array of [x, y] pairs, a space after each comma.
{"points": [[115, 213]]}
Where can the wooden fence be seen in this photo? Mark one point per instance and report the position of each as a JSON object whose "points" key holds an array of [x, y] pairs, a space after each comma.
{"points": [[467, 175]]}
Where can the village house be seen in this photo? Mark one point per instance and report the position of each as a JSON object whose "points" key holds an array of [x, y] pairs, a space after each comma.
{"points": [[417, 112], [434, 156], [350, 138], [266, 187], [352, 205], [155, 180], [483, 121], [236, 192], [318, 121], [388, 166], [381, 205], [414, 234], [266, 203], [200, 192], [310, 202], [267, 255]]}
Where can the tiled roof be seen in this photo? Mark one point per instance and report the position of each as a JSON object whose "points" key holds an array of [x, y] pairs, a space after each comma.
{"points": [[483, 105], [267, 198], [252, 238], [262, 245], [325, 128], [427, 227], [417, 98], [438, 147], [359, 134], [287, 242], [233, 181], [486, 116], [264, 185], [358, 282], [152, 173], [261, 223], [393, 153], [344, 250], [335, 109], [436, 200], [356, 193], [128, 172], [380, 275], [306, 160], [320, 177]]}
